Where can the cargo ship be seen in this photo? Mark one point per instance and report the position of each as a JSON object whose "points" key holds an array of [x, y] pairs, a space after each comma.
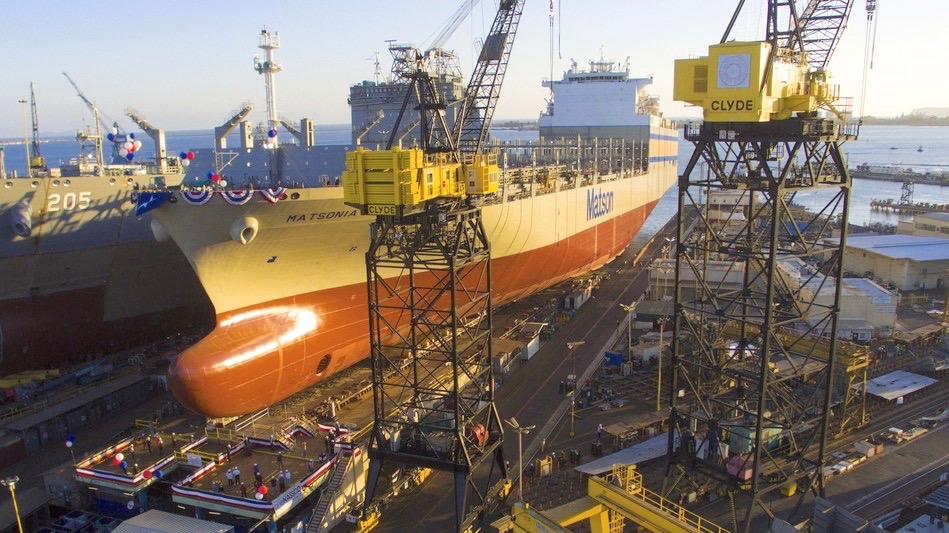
{"points": [[81, 273], [285, 270]]}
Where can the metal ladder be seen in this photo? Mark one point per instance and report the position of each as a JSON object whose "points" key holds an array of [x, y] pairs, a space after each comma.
{"points": [[319, 513]]}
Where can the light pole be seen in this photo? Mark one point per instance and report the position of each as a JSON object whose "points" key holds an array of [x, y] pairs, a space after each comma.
{"points": [[629, 326], [11, 482], [26, 140], [662, 324], [521, 431], [572, 346]]}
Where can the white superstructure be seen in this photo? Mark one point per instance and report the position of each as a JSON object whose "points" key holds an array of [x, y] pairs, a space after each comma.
{"points": [[599, 102]]}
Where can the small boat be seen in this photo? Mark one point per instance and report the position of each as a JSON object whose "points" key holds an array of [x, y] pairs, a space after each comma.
{"points": [[920, 149]]}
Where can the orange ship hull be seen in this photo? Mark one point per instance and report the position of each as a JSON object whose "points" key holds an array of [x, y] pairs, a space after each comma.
{"points": [[260, 355]]}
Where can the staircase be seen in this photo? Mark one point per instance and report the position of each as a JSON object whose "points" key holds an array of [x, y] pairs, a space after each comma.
{"points": [[329, 493]]}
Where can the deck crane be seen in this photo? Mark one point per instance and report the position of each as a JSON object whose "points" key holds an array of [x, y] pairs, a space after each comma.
{"points": [[303, 134], [380, 115], [157, 135], [37, 163], [221, 132], [754, 369], [428, 270], [119, 133]]}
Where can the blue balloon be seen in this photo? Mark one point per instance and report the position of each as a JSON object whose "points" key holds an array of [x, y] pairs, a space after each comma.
{"points": [[130, 156], [158, 473], [210, 174], [124, 464], [71, 438], [183, 155], [110, 136], [272, 133], [132, 136]]}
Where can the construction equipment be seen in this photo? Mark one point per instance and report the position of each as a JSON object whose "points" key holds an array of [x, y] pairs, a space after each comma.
{"points": [[755, 367], [428, 269], [610, 500], [37, 163]]}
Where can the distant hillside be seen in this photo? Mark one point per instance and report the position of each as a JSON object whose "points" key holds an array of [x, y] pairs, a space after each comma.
{"points": [[913, 119], [941, 112]]}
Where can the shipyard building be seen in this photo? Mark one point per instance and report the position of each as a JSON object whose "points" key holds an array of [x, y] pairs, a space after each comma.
{"points": [[908, 262], [926, 225]]}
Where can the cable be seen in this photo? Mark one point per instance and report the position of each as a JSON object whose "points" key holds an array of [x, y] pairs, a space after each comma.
{"points": [[869, 49]]}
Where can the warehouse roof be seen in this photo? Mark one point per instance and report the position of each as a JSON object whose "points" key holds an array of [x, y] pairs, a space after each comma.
{"points": [[900, 246]]}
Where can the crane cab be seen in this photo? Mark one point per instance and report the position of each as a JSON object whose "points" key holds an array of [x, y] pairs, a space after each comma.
{"points": [[736, 83]]}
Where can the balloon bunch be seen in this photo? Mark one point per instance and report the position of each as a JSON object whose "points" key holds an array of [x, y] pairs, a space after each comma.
{"points": [[186, 158], [216, 179], [261, 492], [128, 147]]}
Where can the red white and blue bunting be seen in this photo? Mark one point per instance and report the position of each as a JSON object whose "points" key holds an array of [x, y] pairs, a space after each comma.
{"points": [[231, 196], [273, 194], [197, 197], [237, 197]]}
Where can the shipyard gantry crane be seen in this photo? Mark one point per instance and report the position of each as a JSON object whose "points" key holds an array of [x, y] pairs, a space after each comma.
{"points": [[757, 367], [429, 284]]}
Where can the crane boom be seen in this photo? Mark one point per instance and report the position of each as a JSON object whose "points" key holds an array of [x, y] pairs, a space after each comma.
{"points": [[36, 161], [103, 119], [822, 24], [221, 132], [157, 135], [453, 23], [484, 87]]}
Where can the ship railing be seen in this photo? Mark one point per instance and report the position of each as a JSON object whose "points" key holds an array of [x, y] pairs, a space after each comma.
{"points": [[250, 420]]}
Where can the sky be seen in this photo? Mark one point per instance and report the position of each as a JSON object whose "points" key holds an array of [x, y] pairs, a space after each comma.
{"points": [[189, 65]]}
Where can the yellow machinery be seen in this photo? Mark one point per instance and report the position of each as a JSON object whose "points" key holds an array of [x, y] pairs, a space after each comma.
{"points": [[735, 83], [609, 501], [400, 181]]}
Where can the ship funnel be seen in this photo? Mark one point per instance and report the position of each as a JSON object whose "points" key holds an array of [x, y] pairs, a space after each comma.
{"points": [[21, 218], [158, 231], [243, 230]]}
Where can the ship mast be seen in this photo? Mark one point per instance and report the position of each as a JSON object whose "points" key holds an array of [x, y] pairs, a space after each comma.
{"points": [[268, 67]]}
